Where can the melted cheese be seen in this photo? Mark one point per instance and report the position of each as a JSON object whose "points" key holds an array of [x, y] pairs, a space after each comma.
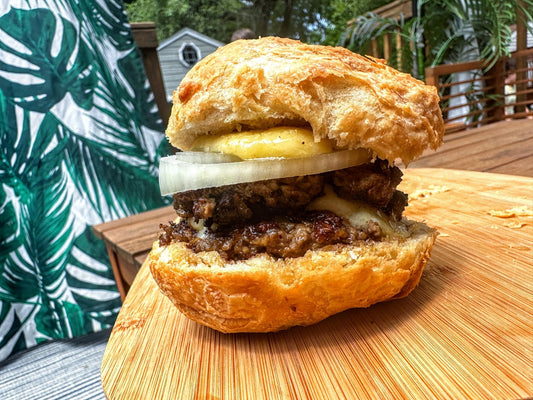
{"points": [[284, 141], [199, 226], [356, 212]]}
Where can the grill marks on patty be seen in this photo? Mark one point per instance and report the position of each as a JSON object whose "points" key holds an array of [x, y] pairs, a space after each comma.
{"points": [[269, 216]]}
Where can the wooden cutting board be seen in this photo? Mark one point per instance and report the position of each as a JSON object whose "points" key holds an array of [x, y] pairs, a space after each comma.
{"points": [[466, 332]]}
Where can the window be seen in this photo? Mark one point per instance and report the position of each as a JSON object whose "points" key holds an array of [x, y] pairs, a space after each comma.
{"points": [[189, 54]]}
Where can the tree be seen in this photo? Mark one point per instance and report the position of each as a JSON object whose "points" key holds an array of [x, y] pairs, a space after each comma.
{"points": [[297, 19], [312, 21], [342, 11], [214, 18]]}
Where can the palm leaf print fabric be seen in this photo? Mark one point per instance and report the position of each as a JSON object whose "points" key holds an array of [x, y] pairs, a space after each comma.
{"points": [[80, 141]]}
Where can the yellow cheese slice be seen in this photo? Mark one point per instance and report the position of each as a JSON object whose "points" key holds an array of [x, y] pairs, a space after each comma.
{"points": [[284, 142]]}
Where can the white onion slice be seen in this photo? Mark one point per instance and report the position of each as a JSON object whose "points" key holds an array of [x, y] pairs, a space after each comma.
{"points": [[200, 157], [195, 170]]}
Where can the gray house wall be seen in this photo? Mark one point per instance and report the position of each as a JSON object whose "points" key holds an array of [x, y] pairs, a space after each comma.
{"points": [[172, 69]]}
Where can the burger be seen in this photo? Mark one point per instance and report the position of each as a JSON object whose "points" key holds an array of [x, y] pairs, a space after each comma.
{"points": [[285, 187]]}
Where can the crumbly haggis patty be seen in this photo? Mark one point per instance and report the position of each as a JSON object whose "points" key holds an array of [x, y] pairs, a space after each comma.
{"points": [[282, 237], [374, 183], [251, 218]]}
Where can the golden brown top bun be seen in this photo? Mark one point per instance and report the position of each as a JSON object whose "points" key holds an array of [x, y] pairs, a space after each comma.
{"points": [[353, 100]]}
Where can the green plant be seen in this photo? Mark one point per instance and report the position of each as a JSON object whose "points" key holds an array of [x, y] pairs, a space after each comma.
{"points": [[444, 31]]}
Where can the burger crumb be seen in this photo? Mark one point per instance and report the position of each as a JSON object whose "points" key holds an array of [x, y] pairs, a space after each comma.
{"points": [[522, 211], [426, 192]]}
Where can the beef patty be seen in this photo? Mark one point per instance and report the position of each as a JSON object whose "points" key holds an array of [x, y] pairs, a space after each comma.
{"points": [[267, 216], [280, 237], [373, 183], [226, 205]]}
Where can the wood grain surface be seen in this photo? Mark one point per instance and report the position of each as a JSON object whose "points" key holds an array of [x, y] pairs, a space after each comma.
{"points": [[504, 147], [465, 332]]}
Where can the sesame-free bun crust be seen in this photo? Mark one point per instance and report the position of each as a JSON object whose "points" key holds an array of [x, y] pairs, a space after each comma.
{"points": [[353, 100], [263, 294]]}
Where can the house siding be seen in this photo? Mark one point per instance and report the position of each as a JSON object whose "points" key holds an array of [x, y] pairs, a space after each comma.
{"points": [[172, 69]]}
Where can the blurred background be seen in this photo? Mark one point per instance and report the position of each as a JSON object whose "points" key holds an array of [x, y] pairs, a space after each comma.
{"points": [[431, 31]]}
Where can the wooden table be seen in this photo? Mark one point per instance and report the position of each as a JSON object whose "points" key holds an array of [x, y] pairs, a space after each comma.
{"points": [[504, 147], [464, 333], [129, 240]]}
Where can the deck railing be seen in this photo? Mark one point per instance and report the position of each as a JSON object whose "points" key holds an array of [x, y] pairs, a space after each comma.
{"points": [[473, 96]]}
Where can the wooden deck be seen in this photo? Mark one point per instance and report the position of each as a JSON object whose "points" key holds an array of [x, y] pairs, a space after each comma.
{"points": [[504, 147]]}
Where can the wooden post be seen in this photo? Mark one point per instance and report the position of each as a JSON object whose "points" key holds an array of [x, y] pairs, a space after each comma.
{"points": [[145, 37], [496, 106], [431, 79], [521, 62], [386, 46], [374, 52], [399, 57]]}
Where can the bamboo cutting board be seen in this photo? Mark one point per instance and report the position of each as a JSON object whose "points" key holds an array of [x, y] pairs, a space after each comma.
{"points": [[465, 332]]}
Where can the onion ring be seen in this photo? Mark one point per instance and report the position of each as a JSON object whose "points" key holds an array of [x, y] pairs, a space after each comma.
{"points": [[197, 170]]}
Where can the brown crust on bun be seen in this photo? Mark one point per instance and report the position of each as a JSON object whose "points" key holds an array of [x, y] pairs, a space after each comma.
{"points": [[264, 294], [353, 100]]}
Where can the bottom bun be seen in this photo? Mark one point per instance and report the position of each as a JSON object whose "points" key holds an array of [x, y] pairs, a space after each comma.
{"points": [[264, 294]]}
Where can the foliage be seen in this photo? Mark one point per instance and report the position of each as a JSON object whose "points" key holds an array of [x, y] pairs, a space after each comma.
{"points": [[342, 11], [452, 30], [214, 18], [312, 21]]}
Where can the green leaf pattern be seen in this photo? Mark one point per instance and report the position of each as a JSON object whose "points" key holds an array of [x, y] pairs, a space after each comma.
{"points": [[80, 141]]}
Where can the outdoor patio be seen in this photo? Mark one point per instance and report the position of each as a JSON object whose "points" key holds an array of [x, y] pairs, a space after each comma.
{"points": [[89, 128]]}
